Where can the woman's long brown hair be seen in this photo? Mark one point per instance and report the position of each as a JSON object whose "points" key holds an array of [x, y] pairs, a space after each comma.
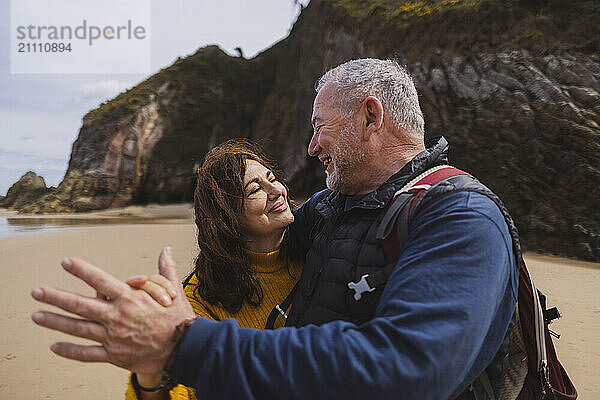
{"points": [[222, 269]]}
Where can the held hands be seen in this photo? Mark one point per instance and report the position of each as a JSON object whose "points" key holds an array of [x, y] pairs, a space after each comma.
{"points": [[133, 331], [157, 286], [162, 291]]}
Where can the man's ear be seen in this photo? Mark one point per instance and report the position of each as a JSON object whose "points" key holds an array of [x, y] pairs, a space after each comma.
{"points": [[373, 116]]}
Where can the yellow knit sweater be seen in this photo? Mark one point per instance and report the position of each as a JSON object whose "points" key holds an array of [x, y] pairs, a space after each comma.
{"points": [[276, 281]]}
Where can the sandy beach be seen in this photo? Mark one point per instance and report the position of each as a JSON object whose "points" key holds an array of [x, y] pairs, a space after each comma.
{"points": [[29, 370]]}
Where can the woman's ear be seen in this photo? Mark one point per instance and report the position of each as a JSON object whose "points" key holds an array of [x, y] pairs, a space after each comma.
{"points": [[373, 116]]}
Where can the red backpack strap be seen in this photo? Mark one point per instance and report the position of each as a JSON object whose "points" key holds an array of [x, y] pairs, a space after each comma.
{"points": [[393, 235]]}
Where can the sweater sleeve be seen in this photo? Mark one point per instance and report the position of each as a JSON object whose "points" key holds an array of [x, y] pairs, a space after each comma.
{"points": [[179, 392], [439, 322]]}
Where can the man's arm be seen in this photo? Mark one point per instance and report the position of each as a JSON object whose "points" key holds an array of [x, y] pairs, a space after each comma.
{"points": [[440, 320]]}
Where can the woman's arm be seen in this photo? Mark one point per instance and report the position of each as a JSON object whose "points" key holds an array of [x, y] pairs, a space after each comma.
{"points": [[163, 292]]}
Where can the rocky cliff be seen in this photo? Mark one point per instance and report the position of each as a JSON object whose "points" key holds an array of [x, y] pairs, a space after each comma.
{"points": [[513, 85]]}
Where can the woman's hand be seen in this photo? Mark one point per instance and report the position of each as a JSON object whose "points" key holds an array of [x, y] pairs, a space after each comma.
{"points": [[157, 286]]}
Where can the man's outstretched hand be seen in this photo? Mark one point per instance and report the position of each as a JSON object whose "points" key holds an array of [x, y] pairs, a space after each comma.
{"points": [[133, 330]]}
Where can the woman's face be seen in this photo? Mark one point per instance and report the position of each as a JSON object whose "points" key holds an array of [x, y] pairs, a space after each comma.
{"points": [[266, 211]]}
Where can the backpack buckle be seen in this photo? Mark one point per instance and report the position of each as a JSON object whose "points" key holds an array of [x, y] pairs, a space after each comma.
{"points": [[360, 287]]}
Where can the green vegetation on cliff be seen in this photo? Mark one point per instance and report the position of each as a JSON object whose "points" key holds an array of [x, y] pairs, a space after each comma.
{"points": [[472, 26]]}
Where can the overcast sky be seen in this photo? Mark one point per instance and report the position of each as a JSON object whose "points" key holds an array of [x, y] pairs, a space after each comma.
{"points": [[40, 114]]}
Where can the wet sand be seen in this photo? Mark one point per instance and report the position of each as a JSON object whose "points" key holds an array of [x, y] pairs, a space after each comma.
{"points": [[14, 224], [29, 370], [168, 211]]}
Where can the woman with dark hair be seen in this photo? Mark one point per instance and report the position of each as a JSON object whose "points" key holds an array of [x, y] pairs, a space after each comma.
{"points": [[245, 266]]}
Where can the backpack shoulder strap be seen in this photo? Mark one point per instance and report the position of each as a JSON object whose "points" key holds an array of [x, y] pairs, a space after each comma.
{"points": [[393, 229], [403, 203]]}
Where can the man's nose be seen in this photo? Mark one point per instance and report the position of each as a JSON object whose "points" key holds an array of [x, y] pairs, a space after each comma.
{"points": [[313, 147]]}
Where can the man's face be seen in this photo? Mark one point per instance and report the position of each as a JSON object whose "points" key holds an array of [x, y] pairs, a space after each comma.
{"points": [[336, 142]]}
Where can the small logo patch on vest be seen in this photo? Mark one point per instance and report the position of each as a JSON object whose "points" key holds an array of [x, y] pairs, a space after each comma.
{"points": [[360, 287]]}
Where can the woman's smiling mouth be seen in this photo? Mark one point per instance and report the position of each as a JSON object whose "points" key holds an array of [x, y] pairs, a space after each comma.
{"points": [[280, 206]]}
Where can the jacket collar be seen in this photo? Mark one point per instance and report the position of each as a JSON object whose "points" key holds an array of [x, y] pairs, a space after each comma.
{"points": [[436, 153]]}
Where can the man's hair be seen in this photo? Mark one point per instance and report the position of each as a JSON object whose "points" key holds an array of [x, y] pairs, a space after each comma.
{"points": [[384, 79]]}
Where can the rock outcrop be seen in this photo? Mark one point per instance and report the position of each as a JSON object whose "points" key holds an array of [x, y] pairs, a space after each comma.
{"points": [[514, 86], [27, 189]]}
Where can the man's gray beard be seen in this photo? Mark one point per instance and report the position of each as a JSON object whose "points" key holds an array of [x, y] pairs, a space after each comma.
{"points": [[348, 156]]}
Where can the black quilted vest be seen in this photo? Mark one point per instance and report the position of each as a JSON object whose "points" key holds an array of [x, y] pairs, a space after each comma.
{"points": [[344, 248]]}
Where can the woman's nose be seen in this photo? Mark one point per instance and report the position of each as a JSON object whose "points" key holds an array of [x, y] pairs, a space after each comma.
{"points": [[274, 192]]}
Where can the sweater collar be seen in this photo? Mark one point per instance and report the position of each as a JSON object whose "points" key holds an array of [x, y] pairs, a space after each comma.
{"points": [[264, 262]]}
